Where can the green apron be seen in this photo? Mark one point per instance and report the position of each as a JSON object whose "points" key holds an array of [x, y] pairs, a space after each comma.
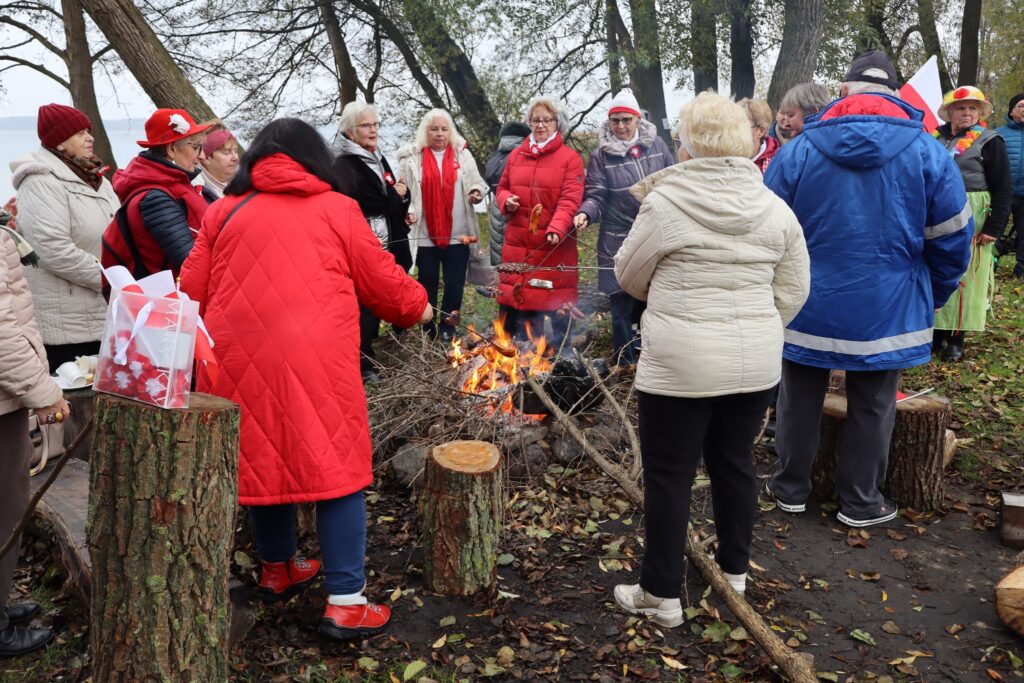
{"points": [[968, 307]]}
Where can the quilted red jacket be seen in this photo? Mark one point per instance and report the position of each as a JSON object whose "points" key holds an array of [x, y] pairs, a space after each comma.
{"points": [[553, 178], [280, 288]]}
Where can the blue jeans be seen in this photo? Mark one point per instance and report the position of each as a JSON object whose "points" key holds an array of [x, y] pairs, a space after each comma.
{"points": [[341, 526], [625, 340], [454, 261]]}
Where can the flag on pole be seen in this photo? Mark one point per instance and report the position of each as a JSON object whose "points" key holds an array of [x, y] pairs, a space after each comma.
{"points": [[924, 92]]}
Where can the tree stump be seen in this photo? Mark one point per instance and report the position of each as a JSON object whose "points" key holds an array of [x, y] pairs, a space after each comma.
{"points": [[1010, 600], [917, 451], [462, 505], [163, 494]]}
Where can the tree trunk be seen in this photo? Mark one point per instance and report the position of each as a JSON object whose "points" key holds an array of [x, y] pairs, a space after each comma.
{"points": [[803, 26], [741, 49], [873, 35], [645, 65], [930, 38], [1010, 600], [462, 505], [612, 19], [703, 46], [163, 493], [914, 477], [970, 35], [80, 81], [348, 81], [146, 57]]}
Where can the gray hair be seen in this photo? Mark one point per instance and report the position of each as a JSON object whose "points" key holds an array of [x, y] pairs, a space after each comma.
{"points": [[862, 87], [555, 106], [352, 113], [809, 98], [456, 141]]}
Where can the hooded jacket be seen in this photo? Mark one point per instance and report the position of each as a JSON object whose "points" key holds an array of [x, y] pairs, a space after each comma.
{"points": [[1013, 134], [63, 218], [280, 288], [722, 264], [550, 177], [614, 167], [888, 229]]}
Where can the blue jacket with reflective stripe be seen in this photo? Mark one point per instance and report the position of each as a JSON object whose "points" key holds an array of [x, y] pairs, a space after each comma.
{"points": [[888, 230], [1013, 134]]}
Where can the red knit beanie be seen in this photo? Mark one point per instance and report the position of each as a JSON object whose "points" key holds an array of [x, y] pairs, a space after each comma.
{"points": [[58, 122]]}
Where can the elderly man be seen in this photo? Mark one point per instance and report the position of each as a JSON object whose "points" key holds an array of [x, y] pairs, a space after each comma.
{"points": [[1013, 134], [888, 229]]}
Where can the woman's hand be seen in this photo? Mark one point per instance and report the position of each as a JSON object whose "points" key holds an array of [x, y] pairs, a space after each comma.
{"points": [[401, 188], [55, 413], [410, 218], [984, 239], [11, 207], [427, 316], [512, 204], [553, 238], [475, 197], [580, 220]]}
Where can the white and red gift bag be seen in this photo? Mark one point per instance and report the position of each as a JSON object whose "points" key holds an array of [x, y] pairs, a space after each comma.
{"points": [[149, 342]]}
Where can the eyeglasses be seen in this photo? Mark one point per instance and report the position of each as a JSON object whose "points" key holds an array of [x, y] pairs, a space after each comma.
{"points": [[196, 146], [624, 121], [369, 126], [541, 122]]}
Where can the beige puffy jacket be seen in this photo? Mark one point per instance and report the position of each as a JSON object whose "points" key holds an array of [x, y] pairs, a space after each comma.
{"points": [[63, 219], [723, 266], [25, 380]]}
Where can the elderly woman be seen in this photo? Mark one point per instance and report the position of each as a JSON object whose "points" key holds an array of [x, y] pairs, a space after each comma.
{"points": [[64, 205], [981, 157], [628, 150], [722, 264], [288, 345], [219, 162], [540, 190], [161, 211], [365, 175], [799, 102], [445, 183], [25, 385], [759, 113]]}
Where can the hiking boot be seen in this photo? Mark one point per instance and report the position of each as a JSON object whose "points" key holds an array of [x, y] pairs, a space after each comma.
{"points": [[667, 612], [793, 508], [18, 640], [21, 612], [283, 580], [352, 622], [887, 512]]}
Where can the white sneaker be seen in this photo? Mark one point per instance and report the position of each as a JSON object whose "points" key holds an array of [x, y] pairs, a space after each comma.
{"points": [[737, 581], [667, 612]]}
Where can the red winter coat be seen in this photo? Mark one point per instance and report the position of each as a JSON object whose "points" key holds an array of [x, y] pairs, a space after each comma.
{"points": [[280, 288], [552, 177]]}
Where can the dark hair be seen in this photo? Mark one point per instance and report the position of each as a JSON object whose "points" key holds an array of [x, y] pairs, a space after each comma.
{"points": [[294, 138]]}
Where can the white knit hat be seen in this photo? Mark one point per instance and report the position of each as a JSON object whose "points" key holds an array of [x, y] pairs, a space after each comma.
{"points": [[624, 103]]}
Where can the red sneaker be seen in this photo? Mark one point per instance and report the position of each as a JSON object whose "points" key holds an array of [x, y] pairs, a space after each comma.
{"points": [[350, 622], [283, 580]]}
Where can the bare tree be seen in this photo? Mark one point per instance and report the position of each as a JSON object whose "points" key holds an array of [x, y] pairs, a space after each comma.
{"points": [[741, 48], [798, 55], [970, 34], [930, 37]]}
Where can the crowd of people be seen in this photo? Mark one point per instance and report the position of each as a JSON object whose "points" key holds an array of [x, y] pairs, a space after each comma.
{"points": [[741, 268]]}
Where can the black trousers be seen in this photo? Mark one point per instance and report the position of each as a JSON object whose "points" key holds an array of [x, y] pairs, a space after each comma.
{"points": [[369, 329], [522, 324], [453, 260], [1017, 212], [14, 494], [674, 432]]}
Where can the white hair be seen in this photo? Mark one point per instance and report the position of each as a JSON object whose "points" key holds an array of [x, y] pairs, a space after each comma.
{"points": [[552, 104], [454, 139], [352, 113], [863, 87]]}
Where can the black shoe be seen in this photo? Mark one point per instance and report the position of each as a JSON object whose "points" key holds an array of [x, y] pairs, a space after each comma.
{"points": [[954, 351], [939, 338], [18, 640], [20, 612]]}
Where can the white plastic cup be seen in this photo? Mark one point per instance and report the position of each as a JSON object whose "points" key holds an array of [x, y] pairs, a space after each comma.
{"points": [[72, 375]]}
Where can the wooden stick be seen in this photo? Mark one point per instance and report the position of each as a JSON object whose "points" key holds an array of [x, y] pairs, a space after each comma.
{"points": [[634, 442], [798, 667]]}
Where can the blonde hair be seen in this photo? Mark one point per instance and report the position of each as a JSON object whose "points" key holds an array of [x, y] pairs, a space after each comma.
{"points": [[712, 125], [554, 106], [456, 141], [759, 111]]}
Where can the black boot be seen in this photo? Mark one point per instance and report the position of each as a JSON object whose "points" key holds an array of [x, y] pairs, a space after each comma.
{"points": [[939, 338], [21, 612], [18, 640], [954, 350]]}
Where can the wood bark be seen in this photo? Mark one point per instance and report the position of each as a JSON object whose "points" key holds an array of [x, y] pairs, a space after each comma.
{"points": [[163, 494], [461, 505], [64, 507], [644, 64], [914, 477], [930, 38], [703, 46], [803, 26], [741, 49], [611, 21], [970, 37], [146, 58], [873, 35], [348, 81], [1010, 600]]}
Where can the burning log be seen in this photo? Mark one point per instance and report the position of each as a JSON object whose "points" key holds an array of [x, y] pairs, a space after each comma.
{"points": [[569, 384], [461, 505]]}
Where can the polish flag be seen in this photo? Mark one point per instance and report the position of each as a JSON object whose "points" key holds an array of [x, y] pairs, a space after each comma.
{"points": [[924, 92]]}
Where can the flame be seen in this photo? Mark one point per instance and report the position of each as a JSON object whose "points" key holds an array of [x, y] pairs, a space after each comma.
{"points": [[500, 370]]}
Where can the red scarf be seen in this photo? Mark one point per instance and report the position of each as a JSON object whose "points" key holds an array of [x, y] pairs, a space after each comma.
{"points": [[439, 194]]}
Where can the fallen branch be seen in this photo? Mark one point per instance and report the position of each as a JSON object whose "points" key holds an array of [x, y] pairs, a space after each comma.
{"points": [[798, 667], [634, 442]]}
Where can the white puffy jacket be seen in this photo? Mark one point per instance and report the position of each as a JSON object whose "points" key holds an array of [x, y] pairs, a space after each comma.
{"points": [[723, 266], [63, 219]]}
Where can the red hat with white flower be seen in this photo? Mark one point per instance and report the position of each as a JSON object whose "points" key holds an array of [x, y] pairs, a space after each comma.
{"points": [[170, 125]]}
